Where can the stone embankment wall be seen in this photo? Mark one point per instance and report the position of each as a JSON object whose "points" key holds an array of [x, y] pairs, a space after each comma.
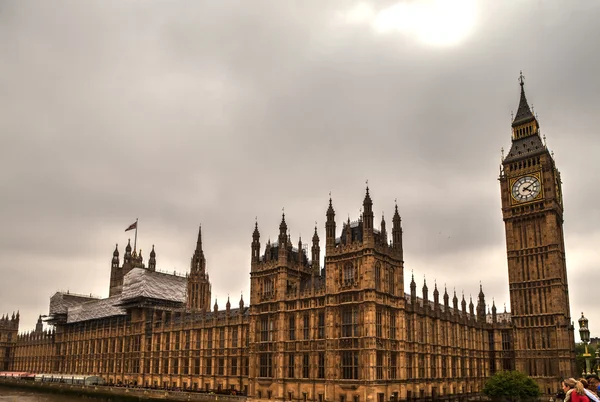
{"points": [[118, 394]]}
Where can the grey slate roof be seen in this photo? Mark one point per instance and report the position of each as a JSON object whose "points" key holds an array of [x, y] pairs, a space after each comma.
{"points": [[138, 283], [524, 114], [525, 147], [95, 309], [61, 301], [142, 283]]}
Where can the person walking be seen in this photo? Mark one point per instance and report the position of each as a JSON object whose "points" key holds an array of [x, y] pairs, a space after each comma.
{"points": [[574, 391]]}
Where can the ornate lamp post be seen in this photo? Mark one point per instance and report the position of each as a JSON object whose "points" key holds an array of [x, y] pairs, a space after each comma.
{"points": [[584, 334], [597, 360]]}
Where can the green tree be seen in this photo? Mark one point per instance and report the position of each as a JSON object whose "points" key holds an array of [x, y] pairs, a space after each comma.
{"points": [[511, 385]]}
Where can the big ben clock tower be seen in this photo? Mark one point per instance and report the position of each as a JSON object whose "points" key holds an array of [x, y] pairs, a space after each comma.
{"points": [[532, 208]]}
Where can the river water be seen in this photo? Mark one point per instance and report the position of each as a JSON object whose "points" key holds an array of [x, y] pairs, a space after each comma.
{"points": [[14, 395]]}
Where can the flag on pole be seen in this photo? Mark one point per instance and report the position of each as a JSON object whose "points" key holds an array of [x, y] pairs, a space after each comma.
{"points": [[132, 226]]}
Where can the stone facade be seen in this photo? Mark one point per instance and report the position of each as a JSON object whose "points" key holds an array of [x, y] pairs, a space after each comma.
{"points": [[344, 331], [9, 328], [532, 208]]}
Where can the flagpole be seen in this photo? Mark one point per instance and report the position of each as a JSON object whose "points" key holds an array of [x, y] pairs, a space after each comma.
{"points": [[135, 239]]}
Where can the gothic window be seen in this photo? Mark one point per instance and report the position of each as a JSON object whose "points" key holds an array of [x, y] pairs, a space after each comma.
{"points": [[348, 277], [378, 325], [392, 325], [321, 328], [221, 337], [392, 282], [291, 365], [409, 366], [350, 365], [233, 369], [264, 329], [306, 327], [234, 337], [444, 366], [433, 366], [209, 340], [265, 365], [321, 371], [292, 326], [393, 366], [379, 365], [421, 365], [378, 276], [208, 366], [305, 365], [349, 321], [268, 287]]}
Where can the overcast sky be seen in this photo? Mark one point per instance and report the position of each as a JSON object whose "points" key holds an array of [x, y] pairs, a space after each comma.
{"points": [[214, 113]]}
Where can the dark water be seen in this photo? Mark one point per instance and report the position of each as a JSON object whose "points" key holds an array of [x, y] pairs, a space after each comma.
{"points": [[13, 395]]}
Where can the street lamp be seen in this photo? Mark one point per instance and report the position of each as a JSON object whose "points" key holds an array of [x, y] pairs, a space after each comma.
{"points": [[597, 359], [584, 334]]}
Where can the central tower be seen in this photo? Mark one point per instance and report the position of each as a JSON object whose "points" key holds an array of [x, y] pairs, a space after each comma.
{"points": [[532, 209]]}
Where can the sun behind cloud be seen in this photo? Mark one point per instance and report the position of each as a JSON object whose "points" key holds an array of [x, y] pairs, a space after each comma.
{"points": [[433, 22]]}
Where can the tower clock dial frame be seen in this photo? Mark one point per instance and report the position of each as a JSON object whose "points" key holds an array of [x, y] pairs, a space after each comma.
{"points": [[526, 188]]}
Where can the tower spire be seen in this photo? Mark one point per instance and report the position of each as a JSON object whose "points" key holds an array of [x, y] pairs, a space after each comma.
{"points": [[524, 114]]}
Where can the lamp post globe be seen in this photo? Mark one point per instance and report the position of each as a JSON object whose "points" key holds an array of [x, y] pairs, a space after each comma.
{"points": [[584, 334]]}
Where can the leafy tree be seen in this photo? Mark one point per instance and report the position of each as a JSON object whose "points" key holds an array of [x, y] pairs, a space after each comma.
{"points": [[511, 385]]}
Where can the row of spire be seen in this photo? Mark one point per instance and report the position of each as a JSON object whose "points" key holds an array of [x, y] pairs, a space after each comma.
{"points": [[134, 257], [446, 298], [14, 317]]}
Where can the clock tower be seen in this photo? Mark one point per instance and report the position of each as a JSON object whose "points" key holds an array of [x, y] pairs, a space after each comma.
{"points": [[532, 209]]}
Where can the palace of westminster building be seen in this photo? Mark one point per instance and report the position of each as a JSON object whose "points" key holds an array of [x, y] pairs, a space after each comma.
{"points": [[345, 332]]}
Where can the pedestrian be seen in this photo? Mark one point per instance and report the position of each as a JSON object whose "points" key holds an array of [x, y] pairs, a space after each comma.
{"points": [[574, 391], [594, 383], [586, 387]]}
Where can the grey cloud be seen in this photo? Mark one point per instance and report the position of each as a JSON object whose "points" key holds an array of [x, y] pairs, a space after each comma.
{"points": [[215, 113]]}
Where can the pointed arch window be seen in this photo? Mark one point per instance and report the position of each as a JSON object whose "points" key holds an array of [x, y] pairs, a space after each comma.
{"points": [[348, 274]]}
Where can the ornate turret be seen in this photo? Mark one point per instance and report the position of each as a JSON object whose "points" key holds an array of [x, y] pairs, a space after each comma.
{"points": [[494, 317], [397, 232], [198, 288], [152, 260], [413, 290], [39, 327], [255, 245], [383, 230], [446, 299], [455, 302], [127, 258], [330, 227], [471, 307], [316, 253], [425, 292], [436, 296], [367, 215], [216, 306], [241, 302], [463, 304], [348, 232], [481, 304], [228, 305], [282, 232], [115, 260]]}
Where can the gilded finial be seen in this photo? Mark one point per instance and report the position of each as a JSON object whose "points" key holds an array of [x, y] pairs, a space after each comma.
{"points": [[521, 78]]}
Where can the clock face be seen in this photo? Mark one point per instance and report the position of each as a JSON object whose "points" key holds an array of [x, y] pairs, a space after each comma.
{"points": [[526, 188]]}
